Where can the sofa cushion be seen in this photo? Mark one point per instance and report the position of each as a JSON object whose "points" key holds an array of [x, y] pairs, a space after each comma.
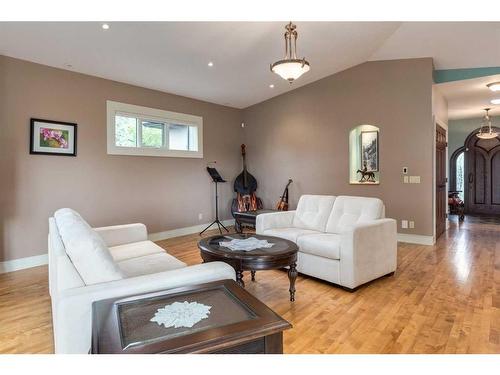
{"points": [[324, 245], [313, 211], [349, 211], [134, 250], [291, 234], [86, 249], [148, 264]]}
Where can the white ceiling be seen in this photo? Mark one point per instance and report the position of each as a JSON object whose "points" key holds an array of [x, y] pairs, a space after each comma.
{"points": [[468, 98], [173, 56], [453, 45]]}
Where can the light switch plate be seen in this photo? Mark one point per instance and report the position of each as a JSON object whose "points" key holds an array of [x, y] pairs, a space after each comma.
{"points": [[405, 179], [414, 179], [404, 224], [411, 224]]}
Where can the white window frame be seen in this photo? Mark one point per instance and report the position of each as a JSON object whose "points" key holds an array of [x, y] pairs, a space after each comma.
{"points": [[159, 115]]}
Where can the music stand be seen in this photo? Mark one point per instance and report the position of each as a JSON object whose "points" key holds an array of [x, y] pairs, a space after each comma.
{"points": [[216, 177]]}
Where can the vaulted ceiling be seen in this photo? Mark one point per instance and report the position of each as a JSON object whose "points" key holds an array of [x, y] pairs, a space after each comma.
{"points": [[174, 56], [468, 98]]}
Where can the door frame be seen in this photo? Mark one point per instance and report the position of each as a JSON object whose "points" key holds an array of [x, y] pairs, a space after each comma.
{"points": [[444, 173], [444, 125]]}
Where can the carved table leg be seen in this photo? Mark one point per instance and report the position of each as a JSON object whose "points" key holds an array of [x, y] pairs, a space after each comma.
{"points": [[292, 276], [239, 278], [253, 275]]}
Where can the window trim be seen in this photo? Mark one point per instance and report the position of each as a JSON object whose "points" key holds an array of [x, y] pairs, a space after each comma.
{"points": [[145, 113]]}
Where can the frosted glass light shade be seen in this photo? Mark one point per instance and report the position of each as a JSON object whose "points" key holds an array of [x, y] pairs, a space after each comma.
{"points": [[290, 69], [495, 86], [489, 135]]}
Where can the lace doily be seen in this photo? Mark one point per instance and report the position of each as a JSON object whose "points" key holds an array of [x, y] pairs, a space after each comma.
{"points": [[247, 244], [181, 314]]}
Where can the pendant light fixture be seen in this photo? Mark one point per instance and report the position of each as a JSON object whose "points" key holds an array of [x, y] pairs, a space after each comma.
{"points": [[495, 86], [290, 68], [485, 132]]}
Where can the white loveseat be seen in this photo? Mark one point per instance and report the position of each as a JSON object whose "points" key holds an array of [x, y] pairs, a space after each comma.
{"points": [[344, 240], [87, 265]]}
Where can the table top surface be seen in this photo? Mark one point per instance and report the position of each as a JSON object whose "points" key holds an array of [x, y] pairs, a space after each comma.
{"points": [[253, 213], [280, 248], [124, 325]]}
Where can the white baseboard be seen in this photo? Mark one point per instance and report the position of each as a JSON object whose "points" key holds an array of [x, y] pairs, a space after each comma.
{"points": [[185, 231], [22, 263], [40, 260], [416, 239]]}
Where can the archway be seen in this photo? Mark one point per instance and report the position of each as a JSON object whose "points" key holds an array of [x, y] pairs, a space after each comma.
{"points": [[482, 173]]}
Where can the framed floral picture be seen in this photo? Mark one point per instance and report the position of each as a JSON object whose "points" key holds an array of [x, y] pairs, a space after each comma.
{"points": [[52, 137]]}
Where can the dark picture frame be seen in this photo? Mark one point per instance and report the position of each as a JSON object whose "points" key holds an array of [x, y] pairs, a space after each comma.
{"points": [[369, 150], [48, 137]]}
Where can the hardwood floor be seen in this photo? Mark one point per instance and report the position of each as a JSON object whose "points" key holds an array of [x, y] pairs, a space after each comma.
{"points": [[442, 299]]}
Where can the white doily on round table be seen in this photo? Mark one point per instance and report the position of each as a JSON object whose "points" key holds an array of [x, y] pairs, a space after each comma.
{"points": [[181, 314], [247, 244]]}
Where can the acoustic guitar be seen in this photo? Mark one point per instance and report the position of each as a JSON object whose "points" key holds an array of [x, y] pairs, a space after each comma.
{"points": [[282, 204]]}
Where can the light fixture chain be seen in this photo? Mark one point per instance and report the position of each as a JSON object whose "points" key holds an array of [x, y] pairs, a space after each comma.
{"points": [[295, 44], [286, 45]]}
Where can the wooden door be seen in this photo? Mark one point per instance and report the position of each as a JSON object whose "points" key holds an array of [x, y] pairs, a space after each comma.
{"points": [[441, 195], [482, 168]]}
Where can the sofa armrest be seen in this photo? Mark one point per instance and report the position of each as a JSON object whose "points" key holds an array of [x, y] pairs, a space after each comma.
{"points": [[72, 330], [122, 234], [368, 251], [282, 219]]}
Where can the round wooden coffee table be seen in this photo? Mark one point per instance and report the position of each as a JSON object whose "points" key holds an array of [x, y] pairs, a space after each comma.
{"points": [[282, 254]]}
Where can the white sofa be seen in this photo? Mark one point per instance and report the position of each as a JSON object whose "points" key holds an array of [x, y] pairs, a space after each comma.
{"points": [[87, 265], [344, 240]]}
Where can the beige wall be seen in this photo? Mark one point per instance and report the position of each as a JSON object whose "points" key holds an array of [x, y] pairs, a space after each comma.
{"points": [[303, 135], [163, 193], [439, 106]]}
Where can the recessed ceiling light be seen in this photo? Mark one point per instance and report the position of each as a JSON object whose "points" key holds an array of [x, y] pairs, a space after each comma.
{"points": [[271, 86], [105, 26], [495, 86], [495, 101], [210, 64]]}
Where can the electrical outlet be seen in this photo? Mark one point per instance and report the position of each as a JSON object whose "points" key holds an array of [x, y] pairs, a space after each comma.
{"points": [[412, 224], [404, 224], [200, 216]]}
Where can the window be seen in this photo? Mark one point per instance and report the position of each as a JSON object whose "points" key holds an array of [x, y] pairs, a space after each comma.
{"points": [[459, 175], [457, 172], [142, 131]]}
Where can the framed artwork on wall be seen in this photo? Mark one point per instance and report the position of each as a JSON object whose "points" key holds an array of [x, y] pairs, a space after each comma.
{"points": [[369, 150], [52, 137]]}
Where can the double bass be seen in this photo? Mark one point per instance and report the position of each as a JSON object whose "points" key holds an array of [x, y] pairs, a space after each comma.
{"points": [[245, 186]]}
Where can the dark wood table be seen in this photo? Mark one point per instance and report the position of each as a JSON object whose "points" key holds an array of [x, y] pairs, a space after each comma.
{"points": [[282, 254], [237, 323], [247, 217]]}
